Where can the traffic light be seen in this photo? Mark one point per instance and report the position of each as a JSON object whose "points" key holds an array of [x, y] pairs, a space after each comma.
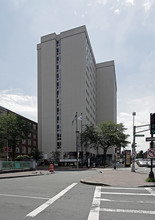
{"points": [[152, 123]]}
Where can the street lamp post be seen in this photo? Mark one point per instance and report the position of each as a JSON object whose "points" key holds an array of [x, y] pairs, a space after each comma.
{"points": [[133, 144]]}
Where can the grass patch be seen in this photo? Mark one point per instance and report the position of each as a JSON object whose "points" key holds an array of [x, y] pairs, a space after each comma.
{"points": [[149, 180]]}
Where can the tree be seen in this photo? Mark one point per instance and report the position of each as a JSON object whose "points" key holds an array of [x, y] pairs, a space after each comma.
{"points": [[37, 155], [140, 154], [105, 135], [110, 135], [13, 128], [90, 136], [56, 156]]}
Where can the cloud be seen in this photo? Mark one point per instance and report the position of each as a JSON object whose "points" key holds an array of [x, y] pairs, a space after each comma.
{"points": [[16, 3], [21, 104], [117, 11], [147, 5], [130, 2], [101, 2], [84, 14]]}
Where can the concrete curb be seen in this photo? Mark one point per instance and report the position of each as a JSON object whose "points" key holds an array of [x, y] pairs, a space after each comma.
{"points": [[93, 183], [11, 177], [34, 173], [103, 184]]}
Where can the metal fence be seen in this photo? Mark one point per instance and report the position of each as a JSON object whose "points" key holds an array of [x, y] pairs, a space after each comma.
{"points": [[16, 165]]}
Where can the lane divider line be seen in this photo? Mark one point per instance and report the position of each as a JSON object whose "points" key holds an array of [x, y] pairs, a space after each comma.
{"points": [[20, 196], [50, 201]]}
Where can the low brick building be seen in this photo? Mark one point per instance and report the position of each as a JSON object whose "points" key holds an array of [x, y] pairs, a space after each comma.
{"points": [[27, 146]]}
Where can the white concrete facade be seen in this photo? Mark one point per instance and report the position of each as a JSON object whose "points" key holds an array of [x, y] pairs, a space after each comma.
{"points": [[70, 81]]}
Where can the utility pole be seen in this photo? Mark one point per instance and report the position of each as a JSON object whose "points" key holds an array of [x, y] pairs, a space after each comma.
{"points": [[136, 134]]}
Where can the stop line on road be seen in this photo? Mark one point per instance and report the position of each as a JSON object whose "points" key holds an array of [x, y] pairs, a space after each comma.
{"points": [[96, 208]]}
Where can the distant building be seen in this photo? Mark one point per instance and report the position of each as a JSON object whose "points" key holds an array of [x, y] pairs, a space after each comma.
{"points": [[27, 146], [70, 81]]}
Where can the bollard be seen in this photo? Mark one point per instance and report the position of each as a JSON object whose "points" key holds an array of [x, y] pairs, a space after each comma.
{"points": [[51, 168]]}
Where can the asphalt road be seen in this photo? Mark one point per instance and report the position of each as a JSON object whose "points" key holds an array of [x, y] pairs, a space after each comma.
{"points": [[117, 203], [61, 196], [21, 196]]}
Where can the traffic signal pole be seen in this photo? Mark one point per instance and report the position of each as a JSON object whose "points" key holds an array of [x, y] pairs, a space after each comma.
{"points": [[136, 134], [152, 131], [133, 144], [151, 174]]}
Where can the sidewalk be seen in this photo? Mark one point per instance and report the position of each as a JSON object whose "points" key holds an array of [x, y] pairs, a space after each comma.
{"points": [[16, 174], [119, 177], [23, 174]]}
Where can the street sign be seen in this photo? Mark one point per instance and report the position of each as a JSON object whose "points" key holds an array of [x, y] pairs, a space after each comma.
{"points": [[150, 139], [151, 153], [139, 135]]}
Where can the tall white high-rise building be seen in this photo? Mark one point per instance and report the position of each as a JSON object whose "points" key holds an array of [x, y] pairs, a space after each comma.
{"points": [[70, 81]]}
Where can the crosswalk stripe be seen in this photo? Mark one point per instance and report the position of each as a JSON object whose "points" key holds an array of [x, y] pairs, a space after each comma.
{"points": [[95, 209], [128, 211], [128, 201], [110, 187], [128, 194]]}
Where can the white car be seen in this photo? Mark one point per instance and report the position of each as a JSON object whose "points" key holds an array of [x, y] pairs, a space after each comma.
{"points": [[149, 163], [142, 163]]}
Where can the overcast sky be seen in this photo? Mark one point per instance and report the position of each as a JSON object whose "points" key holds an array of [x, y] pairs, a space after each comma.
{"points": [[119, 30]]}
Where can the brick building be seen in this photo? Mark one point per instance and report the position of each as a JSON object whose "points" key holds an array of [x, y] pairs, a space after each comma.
{"points": [[27, 146]]}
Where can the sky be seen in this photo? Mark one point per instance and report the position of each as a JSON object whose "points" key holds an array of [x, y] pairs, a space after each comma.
{"points": [[119, 30]]}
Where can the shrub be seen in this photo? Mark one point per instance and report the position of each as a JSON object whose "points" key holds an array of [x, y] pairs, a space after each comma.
{"points": [[23, 157], [150, 180]]}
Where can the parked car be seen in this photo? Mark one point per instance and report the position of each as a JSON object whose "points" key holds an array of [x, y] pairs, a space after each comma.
{"points": [[137, 159], [149, 163], [142, 163]]}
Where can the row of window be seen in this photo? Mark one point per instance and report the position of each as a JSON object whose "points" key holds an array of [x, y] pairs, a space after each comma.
{"points": [[93, 101], [90, 63], [34, 136], [90, 85], [30, 142], [58, 68], [89, 77], [90, 120], [23, 150], [90, 106]]}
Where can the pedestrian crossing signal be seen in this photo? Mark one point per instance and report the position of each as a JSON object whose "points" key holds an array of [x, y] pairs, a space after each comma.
{"points": [[152, 123]]}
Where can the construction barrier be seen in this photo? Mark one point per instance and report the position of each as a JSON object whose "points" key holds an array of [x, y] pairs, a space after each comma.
{"points": [[51, 168]]}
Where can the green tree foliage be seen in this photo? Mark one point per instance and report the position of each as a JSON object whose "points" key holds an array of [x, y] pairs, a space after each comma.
{"points": [[13, 128], [90, 136], [37, 155], [141, 154], [105, 135], [56, 156]]}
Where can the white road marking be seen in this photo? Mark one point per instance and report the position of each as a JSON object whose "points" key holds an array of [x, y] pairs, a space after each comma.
{"points": [[97, 200], [128, 201], [95, 209], [150, 191], [109, 187], [128, 211], [50, 201], [29, 197], [127, 194]]}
